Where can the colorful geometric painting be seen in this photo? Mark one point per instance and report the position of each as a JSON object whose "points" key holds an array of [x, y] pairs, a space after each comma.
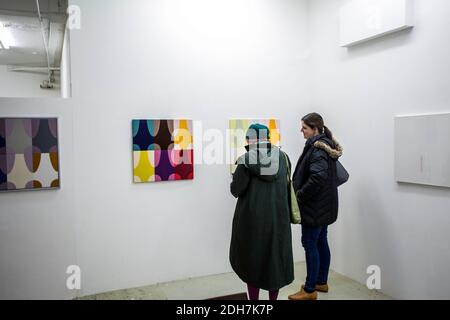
{"points": [[29, 158], [162, 150], [238, 130]]}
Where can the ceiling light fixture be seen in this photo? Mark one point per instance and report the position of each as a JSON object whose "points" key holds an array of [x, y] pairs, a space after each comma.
{"points": [[6, 40]]}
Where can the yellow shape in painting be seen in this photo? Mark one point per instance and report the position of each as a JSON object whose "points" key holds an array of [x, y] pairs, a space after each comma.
{"points": [[182, 136], [238, 130], [275, 136], [144, 166]]}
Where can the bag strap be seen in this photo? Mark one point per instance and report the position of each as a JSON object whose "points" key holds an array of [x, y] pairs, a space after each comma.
{"points": [[287, 166]]}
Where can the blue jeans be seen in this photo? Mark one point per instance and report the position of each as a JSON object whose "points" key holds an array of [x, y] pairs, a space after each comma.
{"points": [[318, 256]]}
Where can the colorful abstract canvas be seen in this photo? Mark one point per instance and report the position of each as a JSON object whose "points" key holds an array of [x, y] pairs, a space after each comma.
{"points": [[162, 150], [29, 157], [238, 130]]}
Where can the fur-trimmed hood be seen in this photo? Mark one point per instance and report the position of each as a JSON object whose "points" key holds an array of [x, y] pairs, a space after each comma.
{"points": [[334, 153]]}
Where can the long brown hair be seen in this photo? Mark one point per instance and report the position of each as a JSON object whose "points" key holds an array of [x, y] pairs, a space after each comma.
{"points": [[315, 120]]}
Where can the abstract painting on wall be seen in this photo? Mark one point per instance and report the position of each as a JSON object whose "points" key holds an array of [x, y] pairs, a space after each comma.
{"points": [[29, 158], [238, 129], [162, 150]]}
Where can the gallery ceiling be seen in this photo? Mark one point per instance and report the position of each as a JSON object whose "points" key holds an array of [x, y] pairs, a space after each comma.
{"points": [[21, 36]]}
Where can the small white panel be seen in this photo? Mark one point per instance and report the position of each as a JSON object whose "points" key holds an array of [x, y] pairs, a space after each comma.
{"points": [[363, 20], [422, 149]]}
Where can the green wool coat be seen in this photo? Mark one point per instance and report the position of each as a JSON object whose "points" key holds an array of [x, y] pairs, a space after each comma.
{"points": [[261, 241]]}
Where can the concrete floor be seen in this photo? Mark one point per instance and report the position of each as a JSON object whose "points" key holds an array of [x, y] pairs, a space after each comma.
{"points": [[341, 288]]}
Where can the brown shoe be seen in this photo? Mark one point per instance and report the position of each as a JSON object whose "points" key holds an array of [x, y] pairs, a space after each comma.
{"points": [[303, 295], [322, 288]]}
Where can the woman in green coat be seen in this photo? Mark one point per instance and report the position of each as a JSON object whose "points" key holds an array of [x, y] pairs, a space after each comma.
{"points": [[261, 241]]}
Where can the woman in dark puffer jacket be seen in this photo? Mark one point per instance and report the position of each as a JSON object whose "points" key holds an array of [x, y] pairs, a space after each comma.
{"points": [[315, 184]]}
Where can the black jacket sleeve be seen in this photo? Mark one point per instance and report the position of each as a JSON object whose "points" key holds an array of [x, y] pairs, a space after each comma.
{"points": [[318, 168], [241, 179]]}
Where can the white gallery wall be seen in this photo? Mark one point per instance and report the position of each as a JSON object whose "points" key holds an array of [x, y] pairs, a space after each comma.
{"points": [[200, 59], [404, 229], [37, 229]]}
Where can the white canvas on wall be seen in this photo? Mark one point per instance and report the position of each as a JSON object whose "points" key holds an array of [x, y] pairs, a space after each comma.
{"points": [[363, 20], [422, 149]]}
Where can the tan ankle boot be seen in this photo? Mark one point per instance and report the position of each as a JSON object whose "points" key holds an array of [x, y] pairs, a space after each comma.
{"points": [[322, 288], [303, 295]]}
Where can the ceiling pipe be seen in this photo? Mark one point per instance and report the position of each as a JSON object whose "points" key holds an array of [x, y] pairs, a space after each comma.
{"points": [[28, 13], [12, 69], [45, 44]]}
